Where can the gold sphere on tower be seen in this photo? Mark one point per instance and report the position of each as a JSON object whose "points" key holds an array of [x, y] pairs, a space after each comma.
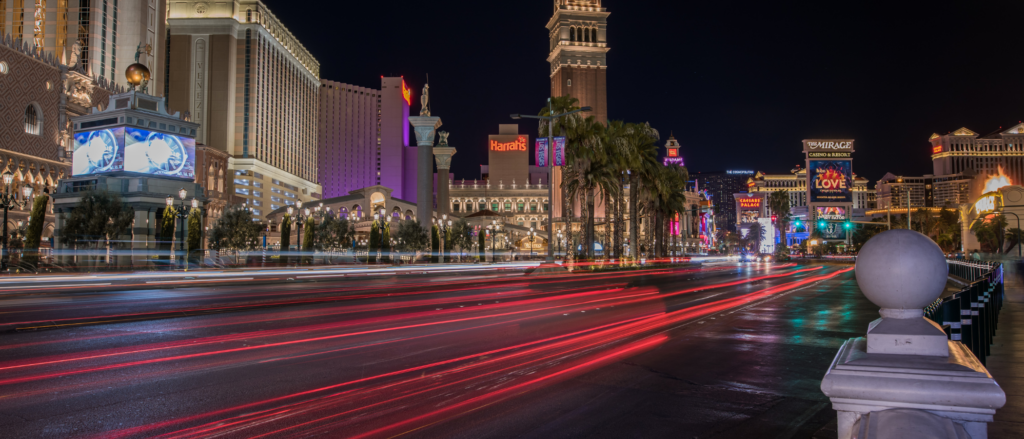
{"points": [[136, 74]]}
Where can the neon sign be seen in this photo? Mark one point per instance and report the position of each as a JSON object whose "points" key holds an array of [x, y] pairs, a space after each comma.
{"points": [[937, 149], [518, 145], [673, 153], [406, 94], [750, 203]]}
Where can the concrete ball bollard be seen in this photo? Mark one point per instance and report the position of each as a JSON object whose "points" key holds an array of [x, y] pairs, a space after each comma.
{"points": [[901, 270]]}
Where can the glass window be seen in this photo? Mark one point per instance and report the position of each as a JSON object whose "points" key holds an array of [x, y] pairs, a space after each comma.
{"points": [[258, 193], [483, 206], [257, 202], [508, 206], [545, 207], [494, 206], [240, 181], [33, 123], [521, 207], [241, 191], [257, 184], [455, 207], [274, 207], [257, 212], [274, 199], [533, 207]]}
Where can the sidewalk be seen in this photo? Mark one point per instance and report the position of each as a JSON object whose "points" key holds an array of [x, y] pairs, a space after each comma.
{"points": [[1006, 364]]}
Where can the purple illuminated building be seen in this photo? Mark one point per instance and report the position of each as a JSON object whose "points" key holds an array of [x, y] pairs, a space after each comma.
{"points": [[364, 138]]}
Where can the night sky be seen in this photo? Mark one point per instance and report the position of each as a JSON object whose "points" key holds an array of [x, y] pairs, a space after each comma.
{"points": [[739, 83]]}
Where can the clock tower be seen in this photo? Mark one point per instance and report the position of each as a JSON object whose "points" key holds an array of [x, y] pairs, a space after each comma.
{"points": [[578, 54]]}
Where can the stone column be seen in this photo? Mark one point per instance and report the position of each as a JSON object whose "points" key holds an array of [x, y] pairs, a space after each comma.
{"points": [[424, 126], [905, 375], [443, 157]]}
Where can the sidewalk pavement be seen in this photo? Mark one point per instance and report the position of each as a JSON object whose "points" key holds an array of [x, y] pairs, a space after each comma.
{"points": [[1006, 363]]}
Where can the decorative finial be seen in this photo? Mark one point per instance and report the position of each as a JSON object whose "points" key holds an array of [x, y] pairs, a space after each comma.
{"points": [[443, 135], [136, 74]]}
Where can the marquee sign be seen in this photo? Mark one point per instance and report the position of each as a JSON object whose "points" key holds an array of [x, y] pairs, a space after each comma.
{"points": [[518, 145], [829, 155], [829, 145], [831, 213], [750, 203], [830, 181]]}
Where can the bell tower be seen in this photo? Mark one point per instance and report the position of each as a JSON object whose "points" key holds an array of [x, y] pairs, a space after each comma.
{"points": [[578, 53]]}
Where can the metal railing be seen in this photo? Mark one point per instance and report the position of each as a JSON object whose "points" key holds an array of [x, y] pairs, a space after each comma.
{"points": [[971, 315]]}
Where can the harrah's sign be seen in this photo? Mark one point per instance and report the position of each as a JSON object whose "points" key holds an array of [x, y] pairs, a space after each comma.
{"points": [[518, 145], [829, 145]]}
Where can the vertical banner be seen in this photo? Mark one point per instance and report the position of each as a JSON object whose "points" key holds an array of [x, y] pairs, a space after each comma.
{"points": [[559, 151], [542, 152]]}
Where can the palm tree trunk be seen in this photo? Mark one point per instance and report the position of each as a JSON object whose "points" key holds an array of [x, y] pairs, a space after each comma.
{"points": [[657, 234], [634, 243], [591, 236]]}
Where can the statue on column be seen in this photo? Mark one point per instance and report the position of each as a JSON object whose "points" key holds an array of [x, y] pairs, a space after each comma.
{"points": [[76, 53], [444, 138], [425, 101]]}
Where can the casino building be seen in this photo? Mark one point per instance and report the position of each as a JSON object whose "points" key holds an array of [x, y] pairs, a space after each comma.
{"points": [[238, 72]]}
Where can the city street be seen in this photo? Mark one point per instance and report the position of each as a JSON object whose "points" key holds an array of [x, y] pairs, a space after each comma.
{"points": [[722, 350]]}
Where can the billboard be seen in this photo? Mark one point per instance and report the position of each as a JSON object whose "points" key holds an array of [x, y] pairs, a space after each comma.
{"points": [[133, 150], [149, 152], [768, 243], [831, 213], [749, 203], [832, 231], [98, 151], [830, 181]]}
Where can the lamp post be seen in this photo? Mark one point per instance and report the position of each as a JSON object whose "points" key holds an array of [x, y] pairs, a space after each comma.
{"points": [[181, 215], [559, 241], [443, 224], [8, 201], [531, 234], [551, 165], [494, 227], [301, 219]]}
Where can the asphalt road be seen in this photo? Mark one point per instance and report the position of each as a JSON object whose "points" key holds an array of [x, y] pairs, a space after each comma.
{"points": [[719, 351]]}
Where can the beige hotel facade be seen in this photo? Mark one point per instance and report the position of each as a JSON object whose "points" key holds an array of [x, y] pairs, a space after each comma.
{"points": [[253, 88]]}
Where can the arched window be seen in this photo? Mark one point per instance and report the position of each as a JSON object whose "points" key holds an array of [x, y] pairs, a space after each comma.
{"points": [[593, 35], [33, 121], [248, 15], [586, 35], [572, 34]]}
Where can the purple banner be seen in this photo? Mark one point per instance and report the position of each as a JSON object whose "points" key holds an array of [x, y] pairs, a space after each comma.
{"points": [[542, 152], [559, 151]]}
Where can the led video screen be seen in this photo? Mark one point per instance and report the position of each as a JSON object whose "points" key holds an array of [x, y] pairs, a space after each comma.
{"points": [[150, 152], [133, 150], [830, 181], [97, 152]]}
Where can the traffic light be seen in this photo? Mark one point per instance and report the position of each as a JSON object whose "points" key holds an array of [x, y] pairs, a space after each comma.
{"points": [[796, 223], [847, 225], [774, 218], [821, 224]]}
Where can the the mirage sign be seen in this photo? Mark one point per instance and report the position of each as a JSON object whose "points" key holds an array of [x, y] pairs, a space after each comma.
{"points": [[828, 145]]}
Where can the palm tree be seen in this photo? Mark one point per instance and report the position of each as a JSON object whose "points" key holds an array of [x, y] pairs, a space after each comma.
{"points": [[638, 155], [778, 202], [586, 172], [755, 235]]}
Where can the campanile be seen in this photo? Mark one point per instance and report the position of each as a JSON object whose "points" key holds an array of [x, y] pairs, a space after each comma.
{"points": [[578, 54]]}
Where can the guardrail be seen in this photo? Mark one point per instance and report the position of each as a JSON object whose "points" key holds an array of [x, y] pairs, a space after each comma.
{"points": [[971, 315]]}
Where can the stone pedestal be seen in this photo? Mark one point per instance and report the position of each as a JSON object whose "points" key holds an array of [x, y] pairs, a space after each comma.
{"points": [[956, 387], [905, 375], [424, 127], [443, 158]]}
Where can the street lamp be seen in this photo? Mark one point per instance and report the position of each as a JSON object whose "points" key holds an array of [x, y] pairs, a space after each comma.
{"points": [[442, 226], [559, 241], [551, 165], [181, 215], [8, 201], [495, 228], [531, 234]]}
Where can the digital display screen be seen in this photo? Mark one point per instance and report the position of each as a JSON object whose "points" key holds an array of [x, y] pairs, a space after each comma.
{"points": [[133, 150], [98, 151], [150, 152], [832, 230], [831, 213], [830, 181]]}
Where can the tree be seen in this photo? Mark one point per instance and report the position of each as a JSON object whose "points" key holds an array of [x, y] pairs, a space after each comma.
{"points": [[373, 244], [754, 237], [167, 227], [308, 239], [98, 221], [412, 237], [286, 232], [385, 240], [34, 232], [481, 242], [460, 235], [778, 202], [194, 242], [435, 244], [235, 231]]}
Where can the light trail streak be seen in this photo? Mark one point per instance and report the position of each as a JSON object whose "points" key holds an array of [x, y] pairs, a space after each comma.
{"points": [[617, 333]]}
